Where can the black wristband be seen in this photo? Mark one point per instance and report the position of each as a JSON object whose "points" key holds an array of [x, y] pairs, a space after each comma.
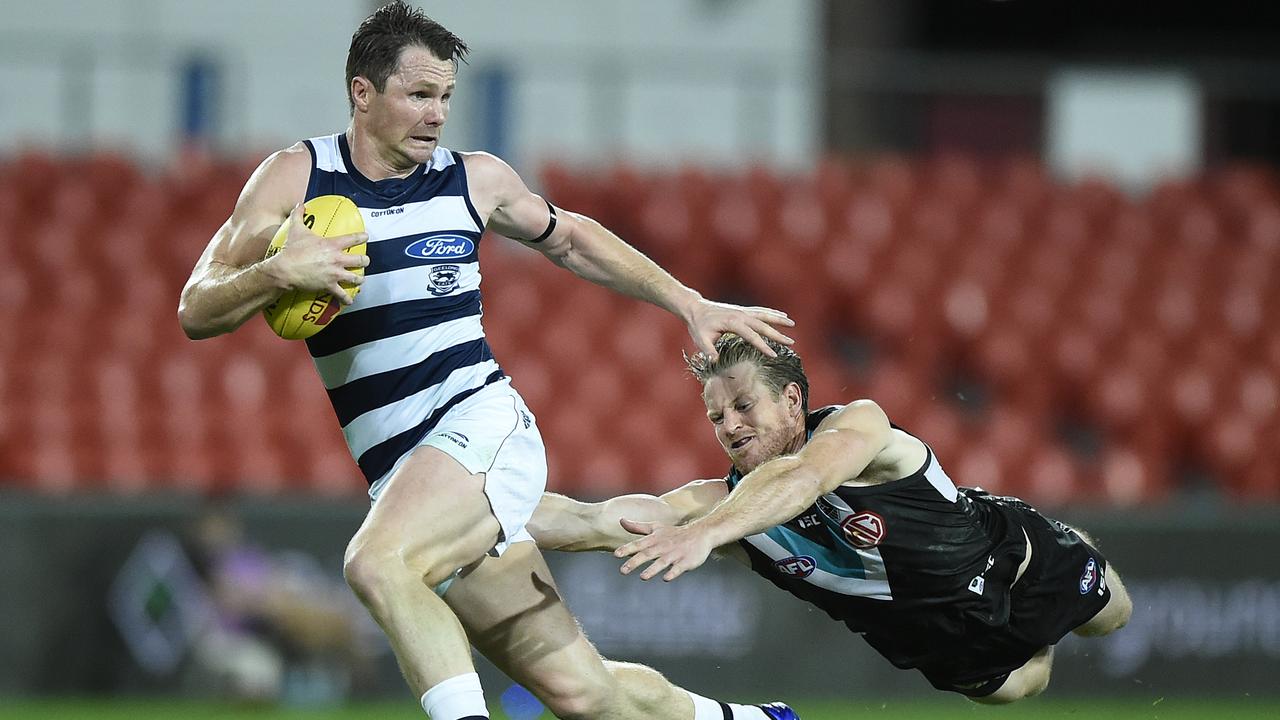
{"points": [[550, 225]]}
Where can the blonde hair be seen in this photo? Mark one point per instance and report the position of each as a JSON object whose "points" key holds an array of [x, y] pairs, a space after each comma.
{"points": [[776, 372]]}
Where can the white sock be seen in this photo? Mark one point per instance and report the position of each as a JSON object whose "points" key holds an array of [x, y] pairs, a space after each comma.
{"points": [[708, 709], [456, 698]]}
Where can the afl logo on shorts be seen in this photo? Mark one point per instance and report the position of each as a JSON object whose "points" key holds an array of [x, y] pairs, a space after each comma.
{"points": [[1089, 579], [797, 566], [864, 530], [444, 278]]}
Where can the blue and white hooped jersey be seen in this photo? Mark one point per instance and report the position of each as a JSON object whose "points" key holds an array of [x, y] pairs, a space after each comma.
{"points": [[411, 346]]}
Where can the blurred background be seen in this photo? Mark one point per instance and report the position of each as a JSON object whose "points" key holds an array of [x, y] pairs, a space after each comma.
{"points": [[1045, 236]]}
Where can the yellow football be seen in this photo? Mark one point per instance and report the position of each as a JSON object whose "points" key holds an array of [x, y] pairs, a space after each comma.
{"points": [[299, 314]]}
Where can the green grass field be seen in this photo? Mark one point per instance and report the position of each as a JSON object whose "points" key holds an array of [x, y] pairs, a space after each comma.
{"points": [[935, 709]]}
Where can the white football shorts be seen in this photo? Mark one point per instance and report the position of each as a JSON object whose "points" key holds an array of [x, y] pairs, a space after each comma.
{"points": [[493, 432]]}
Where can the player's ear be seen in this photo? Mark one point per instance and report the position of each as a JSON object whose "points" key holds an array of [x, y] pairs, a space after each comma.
{"points": [[361, 89], [795, 399]]}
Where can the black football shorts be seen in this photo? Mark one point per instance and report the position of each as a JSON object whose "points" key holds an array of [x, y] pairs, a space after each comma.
{"points": [[1064, 586]]}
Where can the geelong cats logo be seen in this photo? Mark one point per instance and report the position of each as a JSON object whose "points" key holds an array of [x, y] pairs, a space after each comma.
{"points": [[444, 278]]}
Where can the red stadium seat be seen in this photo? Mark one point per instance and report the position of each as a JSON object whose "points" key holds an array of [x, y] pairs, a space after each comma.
{"points": [[1194, 394], [1129, 478], [1263, 228], [1012, 431], [941, 427], [1032, 310], [1258, 395], [1076, 356], [1230, 440], [1198, 228], [967, 309], [328, 472], [1259, 481], [1053, 478], [979, 465], [1122, 398], [1102, 312], [895, 178], [75, 201], [40, 173], [1243, 311], [847, 271], [1117, 269], [895, 388], [111, 175], [1005, 359]]}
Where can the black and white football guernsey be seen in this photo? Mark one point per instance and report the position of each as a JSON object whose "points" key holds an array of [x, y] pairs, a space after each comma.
{"points": [[912, 564]]}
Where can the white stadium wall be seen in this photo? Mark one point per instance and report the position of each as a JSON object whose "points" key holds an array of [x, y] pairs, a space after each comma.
{"points": [[660, 83]]}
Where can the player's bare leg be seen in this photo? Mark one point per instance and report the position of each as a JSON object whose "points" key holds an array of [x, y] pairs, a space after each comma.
{"points": [[1027, 681], [1115, 614], [431, 518], [514, 615]]}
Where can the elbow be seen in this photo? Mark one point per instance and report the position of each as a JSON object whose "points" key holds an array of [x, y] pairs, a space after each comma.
{"points": [[190, 329], [564, 250], [561, 254], [541, 532], [193, 327], [549, 520], [197, 333]]}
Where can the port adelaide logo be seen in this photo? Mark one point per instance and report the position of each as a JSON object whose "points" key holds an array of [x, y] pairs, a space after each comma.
{"points": [[863, 530]]}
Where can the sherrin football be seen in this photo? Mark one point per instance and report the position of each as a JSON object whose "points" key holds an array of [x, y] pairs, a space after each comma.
{"points": [[299, 314]]}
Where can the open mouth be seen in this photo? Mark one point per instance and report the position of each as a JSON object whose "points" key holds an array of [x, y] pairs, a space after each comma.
{"points": [[738, 445], [424, 138]]}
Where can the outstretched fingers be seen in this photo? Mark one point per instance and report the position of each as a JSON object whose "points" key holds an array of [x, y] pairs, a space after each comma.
{"points": [[766, 326]]}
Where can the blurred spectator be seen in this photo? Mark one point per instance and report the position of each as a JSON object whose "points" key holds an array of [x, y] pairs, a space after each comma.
{"points": [[282, 629]]}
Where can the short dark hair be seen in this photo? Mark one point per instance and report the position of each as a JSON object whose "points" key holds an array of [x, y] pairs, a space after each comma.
{"points": [[378, 42], [776, 372]]}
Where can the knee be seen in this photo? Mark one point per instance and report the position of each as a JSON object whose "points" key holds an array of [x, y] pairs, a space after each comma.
{"points": [[374, 571], [1017, 687], [579, 697], [368, 574], [1126, 611], [1027, 681], [1118, 616], [1036, 682], [1112, 617]]}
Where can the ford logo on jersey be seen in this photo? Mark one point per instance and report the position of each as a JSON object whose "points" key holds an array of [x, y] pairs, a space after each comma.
{"points": [[797, 566], [440, 247], [1090, 577]]}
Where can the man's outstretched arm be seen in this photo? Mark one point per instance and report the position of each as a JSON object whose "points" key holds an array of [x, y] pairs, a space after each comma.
{"points": [[776, 491], [563, 523], [592, 252]]}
